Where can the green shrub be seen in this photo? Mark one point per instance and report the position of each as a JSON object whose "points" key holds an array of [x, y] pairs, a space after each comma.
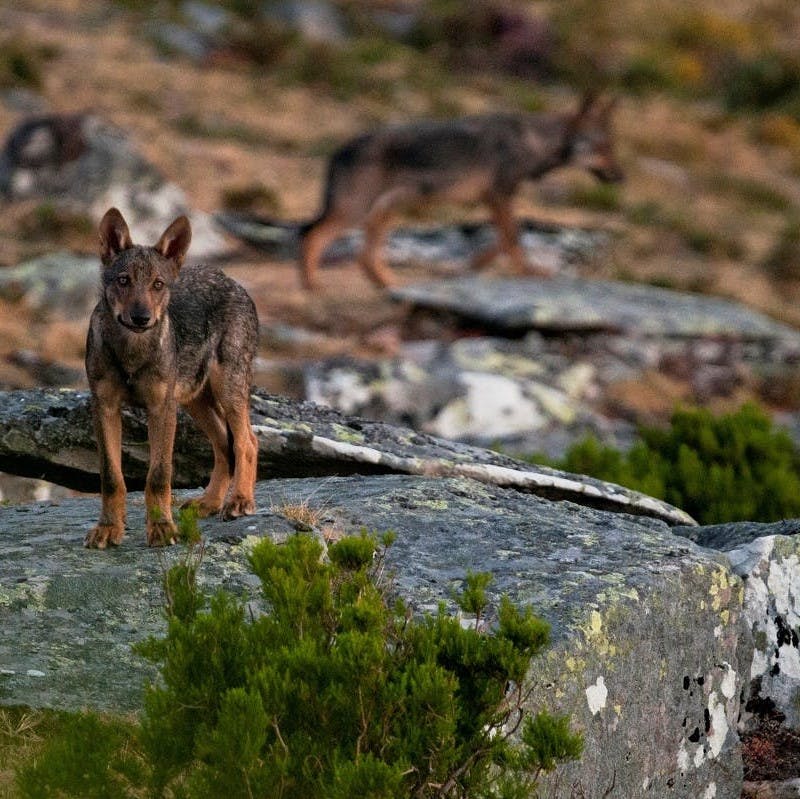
{"points": [[645, 73], [333, 691], [22, 62], [250, 197], [762, 82], [733, 467], [597, 197], [783, 261]]}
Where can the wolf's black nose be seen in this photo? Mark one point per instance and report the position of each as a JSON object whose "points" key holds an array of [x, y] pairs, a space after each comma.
{"points": [[140, 319]]}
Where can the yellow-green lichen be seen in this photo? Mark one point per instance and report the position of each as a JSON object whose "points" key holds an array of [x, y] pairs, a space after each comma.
{"points": [[596, 636], [721, 590], [618, 581], [433, 504], [786, 547], [347, 434]]}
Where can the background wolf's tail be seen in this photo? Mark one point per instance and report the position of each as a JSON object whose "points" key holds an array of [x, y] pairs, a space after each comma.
{"points": [[275, 237]]}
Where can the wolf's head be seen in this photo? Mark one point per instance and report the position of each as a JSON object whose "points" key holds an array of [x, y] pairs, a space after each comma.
{"points": [[590, 141], [136, 280]]}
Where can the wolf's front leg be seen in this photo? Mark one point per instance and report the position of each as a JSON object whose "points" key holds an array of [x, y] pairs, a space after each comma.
{"points": [[161, 422], [110, 529]]}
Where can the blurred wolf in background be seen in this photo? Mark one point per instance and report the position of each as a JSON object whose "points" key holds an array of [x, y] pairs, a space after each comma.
{"points": [[162, 335], [475, 159]]}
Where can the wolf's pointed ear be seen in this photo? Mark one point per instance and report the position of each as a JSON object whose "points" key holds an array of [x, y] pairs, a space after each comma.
{"points": [[175, 241], [114, 236]]}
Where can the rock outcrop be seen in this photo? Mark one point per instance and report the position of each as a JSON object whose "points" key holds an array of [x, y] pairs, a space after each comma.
{"points": [[83, 162], [668, 639], [646, 651], [48, 434], [767, 558], [543, 362], [449, 248]]}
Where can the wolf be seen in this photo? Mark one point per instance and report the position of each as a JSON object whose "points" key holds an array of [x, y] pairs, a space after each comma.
{"points": [[162, 335], [475, 159]]}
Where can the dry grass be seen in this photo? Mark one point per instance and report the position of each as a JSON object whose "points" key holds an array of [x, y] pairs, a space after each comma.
{"points": [[21, 736], [301, 514]]}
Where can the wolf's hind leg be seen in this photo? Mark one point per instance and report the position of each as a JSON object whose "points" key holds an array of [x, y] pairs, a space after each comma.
{"points": [[207, 415]]}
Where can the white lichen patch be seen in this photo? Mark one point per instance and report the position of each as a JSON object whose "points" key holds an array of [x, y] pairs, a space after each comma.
{"points": [[694, 753], [759, 665], [683, 758], [728, 685], [789, 660], [596, 695], [771, 568], [494, 406], [711, 791], [718, 731], [783, 583], [699, 757]]}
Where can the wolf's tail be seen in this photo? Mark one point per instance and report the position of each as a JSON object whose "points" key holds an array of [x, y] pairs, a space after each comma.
{"points": [[303, 228], [272, 236]]}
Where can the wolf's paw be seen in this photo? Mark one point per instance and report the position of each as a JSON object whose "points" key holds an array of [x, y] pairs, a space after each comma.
{"points": [[238, 506], [103, 534], [201, 506], [162, 533]]}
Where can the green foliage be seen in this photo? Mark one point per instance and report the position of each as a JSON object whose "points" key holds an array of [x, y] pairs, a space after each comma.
{"points": [[22, 62], [331, 691], [51, 222], [188, 529], [783, 261], [250, 197], [597, 196], [549, 741], [473, 598], [727, 468], [88, 757], [766, 80]]}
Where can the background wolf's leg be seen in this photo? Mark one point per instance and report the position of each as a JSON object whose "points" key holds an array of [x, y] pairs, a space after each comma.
{"points": [[313, 245]]}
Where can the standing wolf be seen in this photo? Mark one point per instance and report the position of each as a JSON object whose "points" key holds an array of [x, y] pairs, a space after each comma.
{"points": [[162, 335], [475, 159]]}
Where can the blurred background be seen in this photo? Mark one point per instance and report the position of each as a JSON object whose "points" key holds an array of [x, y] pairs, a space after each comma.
{"points": [[206, 107]]}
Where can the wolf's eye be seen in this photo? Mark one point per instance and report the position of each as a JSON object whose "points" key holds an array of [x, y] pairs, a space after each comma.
{"points": [[123, 280], [158, 285]]}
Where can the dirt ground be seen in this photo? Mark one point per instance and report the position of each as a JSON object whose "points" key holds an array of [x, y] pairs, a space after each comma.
{"points": [[228, 125]]}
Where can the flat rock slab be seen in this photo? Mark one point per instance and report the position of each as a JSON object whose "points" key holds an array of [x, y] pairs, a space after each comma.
{"points": [[645, 624], [561, 304], [552, 246], [49, 434]]}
